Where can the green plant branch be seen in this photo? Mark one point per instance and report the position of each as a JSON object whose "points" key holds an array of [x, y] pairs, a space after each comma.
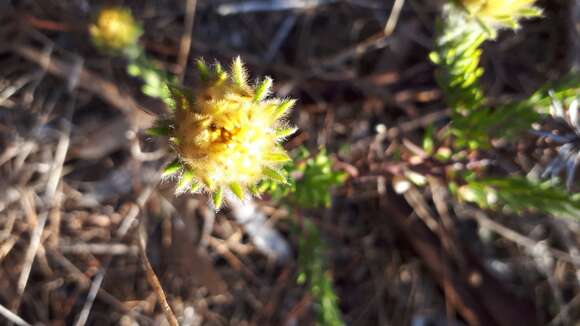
{"points": [[520, 194], [313, 273]]}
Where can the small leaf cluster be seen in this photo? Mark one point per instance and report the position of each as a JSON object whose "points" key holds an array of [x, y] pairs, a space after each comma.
{"points": [[317, 178], [155, 81], [311, 181]]}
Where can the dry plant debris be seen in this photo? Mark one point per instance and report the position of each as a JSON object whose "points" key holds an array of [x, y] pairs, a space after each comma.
{"points": [[86, 226]]}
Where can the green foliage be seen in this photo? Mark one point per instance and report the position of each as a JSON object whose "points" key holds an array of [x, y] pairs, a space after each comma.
{"points": [[563, 90], [155, 80], [511, 119], [461, 33], [457, 54], [475, 124], [310, 179], [115, 32], [276, 190], [313, 273], [429, 140], [519, 194], [317, 178], [477, 128]]}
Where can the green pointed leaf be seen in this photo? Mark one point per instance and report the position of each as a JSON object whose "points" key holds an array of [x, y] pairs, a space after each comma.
{"points": [[284, 132], [435, 58], [263, 89], [274, 175], [283, 108], [133, 70], [182, 98], [217, 198], [237, 189], [150, 91], [195, 187], [203, 69], [254, 190], [239, 74], [171, 168], [531, 12], [278, 157], [208, 183], [218, 72], [185, 180]]}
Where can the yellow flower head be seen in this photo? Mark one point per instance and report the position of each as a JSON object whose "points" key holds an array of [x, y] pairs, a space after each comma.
{"points": [[497, 14], [115, 29], [226, 133]]}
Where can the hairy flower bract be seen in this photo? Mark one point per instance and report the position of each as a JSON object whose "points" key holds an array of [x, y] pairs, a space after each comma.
{"points": [[226, 133]]}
